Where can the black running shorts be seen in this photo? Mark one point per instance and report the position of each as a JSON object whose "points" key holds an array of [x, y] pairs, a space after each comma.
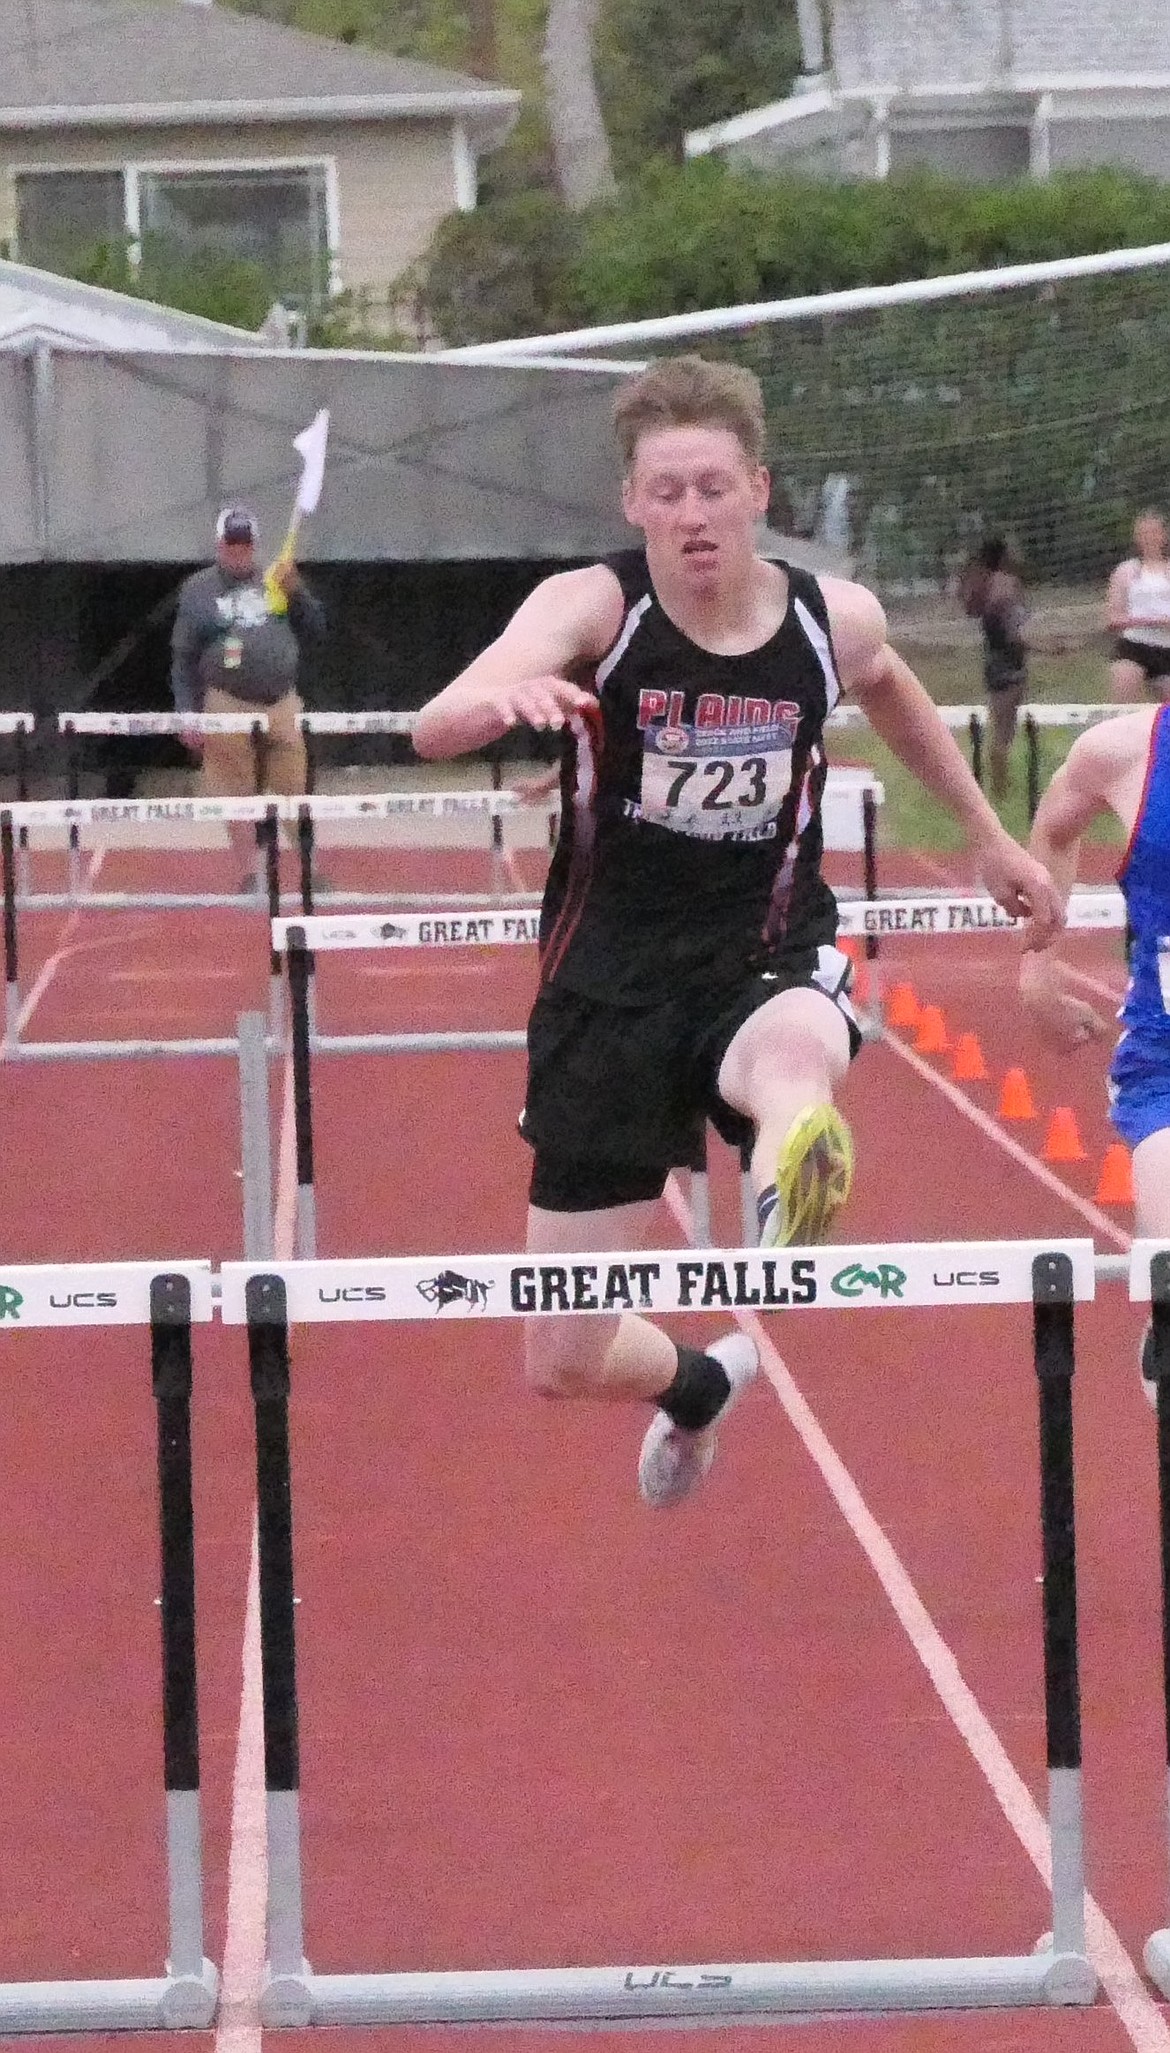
{"points": [[617, 1096], [1154, 661]]}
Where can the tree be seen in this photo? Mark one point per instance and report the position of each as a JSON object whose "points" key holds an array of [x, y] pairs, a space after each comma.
{"points": [[580, 144], [664, 69]]}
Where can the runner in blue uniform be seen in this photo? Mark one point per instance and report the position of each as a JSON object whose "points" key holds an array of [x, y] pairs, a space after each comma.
{"points": [[1120, 767], [688, 966]]}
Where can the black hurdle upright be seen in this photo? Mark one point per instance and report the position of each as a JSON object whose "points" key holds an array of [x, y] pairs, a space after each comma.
{"points": [[1032, 754], [300, 971], [1055, 1359], [869, 861], [305, 846], [21, 740], [1157, 1952], [975, 730], [170, 1369], [266, 1305], [268, 836], [73, 791], [11, 960]]}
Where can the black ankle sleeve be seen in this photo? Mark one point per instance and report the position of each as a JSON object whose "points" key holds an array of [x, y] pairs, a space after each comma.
{"points": [[698, 1392]]}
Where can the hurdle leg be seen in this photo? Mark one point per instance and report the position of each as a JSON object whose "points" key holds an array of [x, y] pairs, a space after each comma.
{"points": [[749, 1224], [268, 832], [255, 1137], [306, 845], [869, 859], [286, 1999], [73, 748], [1032, 750], [299, 972], [1054, 1354], [1157, 1952], [497, 843], [975, 730], [24, 873], [192, 1980], [11, 962]]}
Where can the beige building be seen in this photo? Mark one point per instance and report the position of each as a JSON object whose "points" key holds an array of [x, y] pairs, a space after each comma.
{"points": [[211, 131]]}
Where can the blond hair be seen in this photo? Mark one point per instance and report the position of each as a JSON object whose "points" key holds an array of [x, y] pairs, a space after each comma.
{"points": [[690, 392]]}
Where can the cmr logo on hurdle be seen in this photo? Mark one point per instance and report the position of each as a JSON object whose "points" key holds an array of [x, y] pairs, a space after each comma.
{"points": [[11, 1301]]}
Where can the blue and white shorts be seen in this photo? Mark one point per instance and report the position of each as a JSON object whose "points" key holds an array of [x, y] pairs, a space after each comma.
{"points": [[1139, 1086]]}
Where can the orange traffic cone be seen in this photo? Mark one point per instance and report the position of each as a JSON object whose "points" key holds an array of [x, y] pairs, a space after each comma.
{"points": [[903, 1008], [969, 1066], [1115, 1186], [1015, 1099], [933, 1038], [1062, 1142]]}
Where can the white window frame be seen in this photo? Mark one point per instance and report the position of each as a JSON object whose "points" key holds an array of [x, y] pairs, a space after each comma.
{"points": [[132, 170], [100, 168]]}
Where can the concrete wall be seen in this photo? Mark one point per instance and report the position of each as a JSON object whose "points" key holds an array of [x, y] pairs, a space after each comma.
{"points": [[972, 42], [1139, 145], [394, 181], [978, 153]]}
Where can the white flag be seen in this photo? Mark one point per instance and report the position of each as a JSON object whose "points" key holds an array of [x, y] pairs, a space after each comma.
{"points": [[310, 445]]}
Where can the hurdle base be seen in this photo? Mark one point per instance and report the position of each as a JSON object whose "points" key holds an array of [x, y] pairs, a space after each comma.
{"points": [[1157, 1960], [286, 2001], [735, 1991], [165, 2003]]}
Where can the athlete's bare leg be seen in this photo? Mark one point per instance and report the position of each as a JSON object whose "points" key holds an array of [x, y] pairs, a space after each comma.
{"points": [[790, 1054], [1126, 682], [1151, 1187], [590, 1355]]}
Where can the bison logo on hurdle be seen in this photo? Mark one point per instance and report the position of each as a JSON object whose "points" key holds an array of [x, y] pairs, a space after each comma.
{"points": [[449, 1288]]}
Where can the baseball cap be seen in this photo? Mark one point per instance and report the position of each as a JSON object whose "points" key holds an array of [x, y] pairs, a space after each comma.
{"points": [[236, 524]]}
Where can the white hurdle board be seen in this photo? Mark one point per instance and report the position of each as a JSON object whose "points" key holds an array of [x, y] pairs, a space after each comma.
{"points": [[93, 1293], [163, 723], [873, 1275], [520, 925]]}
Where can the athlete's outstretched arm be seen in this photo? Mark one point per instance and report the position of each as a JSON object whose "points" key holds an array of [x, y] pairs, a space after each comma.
{"points": [[901, 710], [570, 619], [1076, 796]]}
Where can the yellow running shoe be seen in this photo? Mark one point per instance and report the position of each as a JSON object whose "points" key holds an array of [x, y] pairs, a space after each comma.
{"points": [[814, 1175]]}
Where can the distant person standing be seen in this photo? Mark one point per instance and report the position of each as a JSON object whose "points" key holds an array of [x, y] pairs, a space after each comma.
{"points": [[1139, 615], [235, 648], [992, 592]]}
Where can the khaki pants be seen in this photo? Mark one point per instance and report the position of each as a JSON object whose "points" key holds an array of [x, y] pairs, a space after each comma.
{"points": [[229, 765]]}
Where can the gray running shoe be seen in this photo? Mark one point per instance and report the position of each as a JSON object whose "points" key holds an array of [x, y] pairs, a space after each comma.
{"points": [[673, 1462]]}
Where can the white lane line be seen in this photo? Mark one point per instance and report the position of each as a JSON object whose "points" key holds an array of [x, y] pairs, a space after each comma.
{"points": [[1137, 2011], [239, 2029], [238, 2025], [52, 964], [988, 1126]]}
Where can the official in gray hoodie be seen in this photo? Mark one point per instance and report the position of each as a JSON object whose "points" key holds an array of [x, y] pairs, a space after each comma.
{"points": [[235, 648]]}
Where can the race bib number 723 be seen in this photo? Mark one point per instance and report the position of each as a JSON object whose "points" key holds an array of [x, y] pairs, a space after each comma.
{"points": [[716, 781]]}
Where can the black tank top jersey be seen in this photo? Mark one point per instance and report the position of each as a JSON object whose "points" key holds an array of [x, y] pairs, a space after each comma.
{"points": [[690, 840]]}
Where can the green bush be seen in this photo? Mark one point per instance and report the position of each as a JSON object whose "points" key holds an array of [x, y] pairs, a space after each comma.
{"points": [[507, 269], [683, 238]]}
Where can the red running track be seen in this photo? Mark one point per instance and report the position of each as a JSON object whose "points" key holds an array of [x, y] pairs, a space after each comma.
{"points": [[539, 1725]]}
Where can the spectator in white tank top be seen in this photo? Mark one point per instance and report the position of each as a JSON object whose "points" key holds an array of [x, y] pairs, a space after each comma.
{"points": [[1139, 615]]}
